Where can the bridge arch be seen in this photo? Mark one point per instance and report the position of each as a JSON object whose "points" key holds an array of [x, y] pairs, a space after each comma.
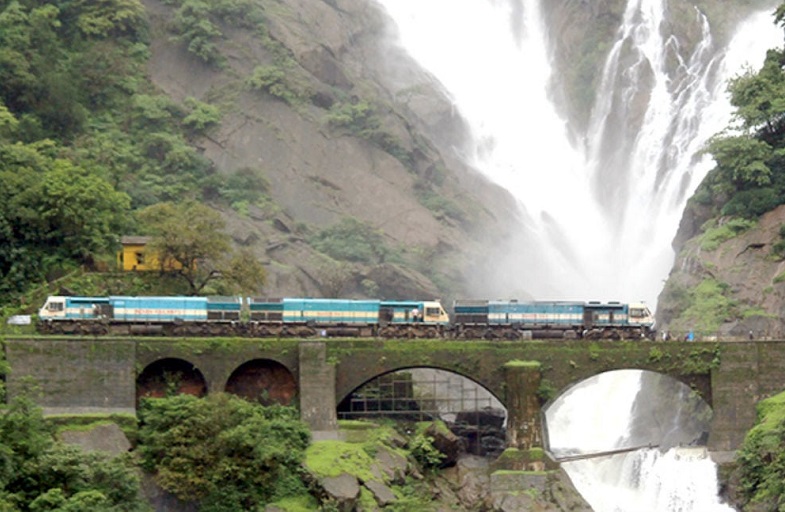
{"points": [[263, 380], [636, 408], [356, 384], [354, 373], [170, 375], [425, 393]]}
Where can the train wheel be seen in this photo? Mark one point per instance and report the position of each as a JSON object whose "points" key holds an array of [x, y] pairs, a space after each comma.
{"points": [[593, 334], [471, 334], [306, 332], [512, 335], [387, 332]]}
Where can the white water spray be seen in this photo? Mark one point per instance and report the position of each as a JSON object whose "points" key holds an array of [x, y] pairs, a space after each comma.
{"points": [[598, 417], [599, 209]]}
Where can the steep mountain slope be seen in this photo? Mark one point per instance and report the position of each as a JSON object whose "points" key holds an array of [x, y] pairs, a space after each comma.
{"points": [[395, 174], [727, 281]]}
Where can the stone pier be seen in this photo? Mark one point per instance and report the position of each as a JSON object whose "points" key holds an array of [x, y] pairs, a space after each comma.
{"points": [[522, 380]]}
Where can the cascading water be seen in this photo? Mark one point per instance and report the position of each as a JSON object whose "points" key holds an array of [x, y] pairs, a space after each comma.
{"points": [[598, 209], [601, 416]]}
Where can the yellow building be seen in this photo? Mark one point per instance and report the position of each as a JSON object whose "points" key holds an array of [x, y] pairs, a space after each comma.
{"points": [[135, 256]]}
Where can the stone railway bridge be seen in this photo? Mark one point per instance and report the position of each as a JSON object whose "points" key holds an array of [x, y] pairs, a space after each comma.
{"points": [[88, 375]]}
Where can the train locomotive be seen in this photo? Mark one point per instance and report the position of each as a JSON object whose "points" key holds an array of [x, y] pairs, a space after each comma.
{"points": [[314, 317], [512, 319]]}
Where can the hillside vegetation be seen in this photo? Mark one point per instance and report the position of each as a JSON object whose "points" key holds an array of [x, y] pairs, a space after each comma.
{"points": [[110, 108]]}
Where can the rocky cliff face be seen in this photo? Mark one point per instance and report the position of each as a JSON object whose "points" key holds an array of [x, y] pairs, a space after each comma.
{"points": [[726, 283], [435, 215]]}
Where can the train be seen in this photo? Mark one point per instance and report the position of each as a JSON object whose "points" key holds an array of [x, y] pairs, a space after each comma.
{"points": [[333, 317]]}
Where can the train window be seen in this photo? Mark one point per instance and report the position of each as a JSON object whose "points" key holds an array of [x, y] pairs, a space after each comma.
{"points": [[55, 306], [636, 312], [432, 311]]}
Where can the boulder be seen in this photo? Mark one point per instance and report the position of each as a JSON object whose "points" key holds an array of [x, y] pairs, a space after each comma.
{"points": [[343, 490], [448, 444], [392, 465], [104, 437], [381, 493]]}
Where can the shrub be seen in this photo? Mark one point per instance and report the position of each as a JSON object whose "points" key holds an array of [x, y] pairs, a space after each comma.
{"points": [[761, 459], [362, 119], [439, 205], [245, 184], [359, 118], [351, 240], [275, 81], [751, 204], [423, 451], [202, 115], [193, 26], [778, 249], [708, 307], [222, 451], [713, 237]]}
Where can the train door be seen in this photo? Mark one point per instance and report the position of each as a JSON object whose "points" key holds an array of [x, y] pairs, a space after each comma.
{"points": [[104, 311], [386, 315], [588, 318]]}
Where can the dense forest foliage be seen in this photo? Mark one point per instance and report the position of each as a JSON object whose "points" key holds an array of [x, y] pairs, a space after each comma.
{"points": [[39, 473], [761, 460], [86, 141], [222, 452]]}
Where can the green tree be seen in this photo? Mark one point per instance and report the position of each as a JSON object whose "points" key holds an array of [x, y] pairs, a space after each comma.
{"points": [[108, 18], [38, 473], [759, 98], [52, 213], [222, 451], [749, 178], [741, 160], [202, 115], [189, 240], [193, 26]]}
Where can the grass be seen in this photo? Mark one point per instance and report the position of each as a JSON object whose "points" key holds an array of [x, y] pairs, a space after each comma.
{"points": [[517, 363], [714, 236]]}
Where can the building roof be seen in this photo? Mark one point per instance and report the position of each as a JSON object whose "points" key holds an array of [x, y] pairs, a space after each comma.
{"points": [[135, 240]]}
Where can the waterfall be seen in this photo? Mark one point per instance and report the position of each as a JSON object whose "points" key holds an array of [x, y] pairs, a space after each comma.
{"points": [[598, 209], [603, 414]]}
